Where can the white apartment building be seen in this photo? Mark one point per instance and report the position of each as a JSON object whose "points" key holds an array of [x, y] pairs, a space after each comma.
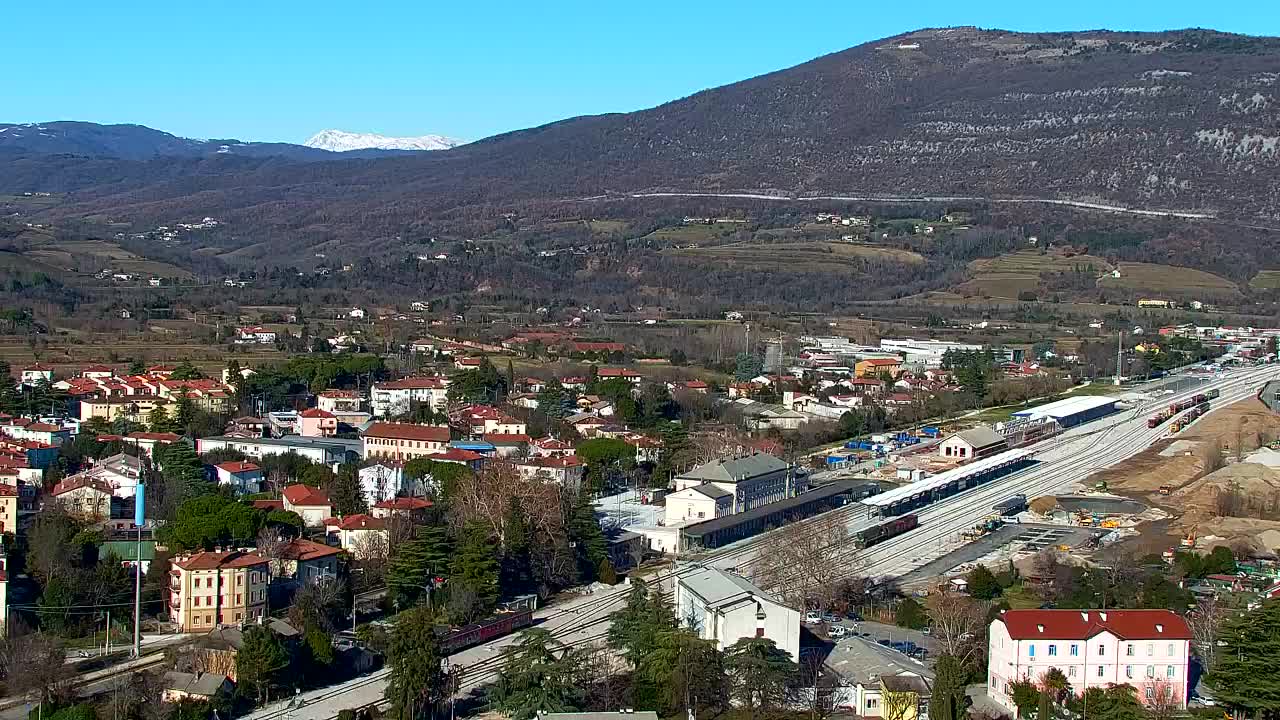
{"points": [[1148, 649], [726, 608], [389, 399]]}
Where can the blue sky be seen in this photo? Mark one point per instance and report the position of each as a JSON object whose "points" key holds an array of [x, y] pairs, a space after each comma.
{"points": [[281, 70]]}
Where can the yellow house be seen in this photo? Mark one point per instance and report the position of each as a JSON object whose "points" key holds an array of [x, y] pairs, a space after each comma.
{"points": [[904, 697], [878, 366], [133, 408]]}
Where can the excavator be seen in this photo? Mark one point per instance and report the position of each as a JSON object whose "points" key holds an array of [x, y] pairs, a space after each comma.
{"points": [[1189, 541]]}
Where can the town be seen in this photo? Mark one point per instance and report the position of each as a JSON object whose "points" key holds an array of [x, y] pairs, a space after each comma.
{"points": [[260, 540]]}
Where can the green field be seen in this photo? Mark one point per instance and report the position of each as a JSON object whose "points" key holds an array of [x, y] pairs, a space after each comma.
{"points": [[1169, 280], [1266, 280], [1007, 275]]}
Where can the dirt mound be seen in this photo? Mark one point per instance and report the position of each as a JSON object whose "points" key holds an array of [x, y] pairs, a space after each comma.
{"points": [[1260, 536], [1245, 490], [1237, 428]]}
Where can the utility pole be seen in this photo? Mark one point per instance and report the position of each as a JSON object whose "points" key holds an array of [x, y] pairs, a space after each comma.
{"points": [[1119, 352], [139, 519]]}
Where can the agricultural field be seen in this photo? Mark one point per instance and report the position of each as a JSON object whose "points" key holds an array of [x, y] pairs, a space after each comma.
{"points": [[693, 234], [1007, 275], [1266, 280], [805, 256], [1169, 279], [41, 250]]}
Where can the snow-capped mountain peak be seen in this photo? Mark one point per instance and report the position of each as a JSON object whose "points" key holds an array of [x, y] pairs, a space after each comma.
{"points": [[342, 141]]}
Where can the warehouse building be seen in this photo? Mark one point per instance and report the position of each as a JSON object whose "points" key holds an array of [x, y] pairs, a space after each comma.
{"points": [[1073, 411]]}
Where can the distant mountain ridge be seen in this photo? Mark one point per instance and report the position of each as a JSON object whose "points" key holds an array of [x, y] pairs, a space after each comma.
{"points": [[342, 141], [138, 142], [1181, 120]]}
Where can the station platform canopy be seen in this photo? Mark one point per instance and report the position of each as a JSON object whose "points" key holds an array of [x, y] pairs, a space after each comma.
{"points": [[943, 479]]}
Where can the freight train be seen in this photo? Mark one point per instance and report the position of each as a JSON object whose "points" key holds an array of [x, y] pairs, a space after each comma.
{"points": [[1200, 401], [485, 630], [1011, 506], [885, 530]]}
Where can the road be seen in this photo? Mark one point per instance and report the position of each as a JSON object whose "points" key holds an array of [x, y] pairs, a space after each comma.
{"points": [[1065, 460]]}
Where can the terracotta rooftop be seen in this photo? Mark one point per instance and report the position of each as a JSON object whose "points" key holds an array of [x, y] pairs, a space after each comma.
{"points": [[317, 413], [219, 560], [237, 466], [409, 431], [456, 455], [75, 482], [302, 549], [305, 495], [404, 503], [359, 521]]}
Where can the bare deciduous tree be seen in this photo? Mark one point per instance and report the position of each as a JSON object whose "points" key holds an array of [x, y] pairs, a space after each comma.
{"points": [[957, 621], [807, 560], [1162, 701], [1205, 621], [33, 663], [271, 546]]}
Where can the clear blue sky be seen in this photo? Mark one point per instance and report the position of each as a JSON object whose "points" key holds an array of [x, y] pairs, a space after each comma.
{"points": [[281, 70]]}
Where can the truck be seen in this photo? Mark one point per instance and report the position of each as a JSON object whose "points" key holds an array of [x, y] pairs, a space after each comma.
{"points": [[1011, 505], [930, 432]]}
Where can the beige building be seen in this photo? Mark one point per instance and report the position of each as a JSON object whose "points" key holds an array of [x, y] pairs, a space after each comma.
{"points": [[364, 536], [208, 589], [84, 496], [404, 441], [8, 510], [698, 503], [305, 561], [311, 504], [133, 408]]}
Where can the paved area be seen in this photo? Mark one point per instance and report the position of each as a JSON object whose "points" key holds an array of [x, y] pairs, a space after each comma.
{"points": [[627, 509], [1032, 537]]}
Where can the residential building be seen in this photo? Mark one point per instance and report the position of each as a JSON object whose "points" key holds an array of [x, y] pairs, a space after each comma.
{"points": [[404, 441], [195, 687], [621, 715], [469, 458], [508, 445], [725, 608], [1148, 649], [402, 506], [208, 589], [255, 335], [147, 441], [303, 561], [241, 476], [339, 401], [397, 397], [121, 471], [362, 535], [697, 503], [8, 510], [33, 375], [876, 367], [314, 422], [608, 373], [312, 504], [381, 480], [549, 446], [567, 470], [323, 451], [134, 408], [861, 666], [972, 444], [84, 496], [41, 432], [482, 420], [752, 480]]}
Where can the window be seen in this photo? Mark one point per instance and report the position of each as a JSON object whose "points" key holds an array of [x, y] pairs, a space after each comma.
{"points": [[1170, 650], [1031, 650], [1053, 651], [1128, 671], [1100, 671], [1151, 671], [1151, 649], [1151, 695], [1071, 671], [1075, 650], [1169, 671], [873, 703], [1102, 650], [1128, 650]]}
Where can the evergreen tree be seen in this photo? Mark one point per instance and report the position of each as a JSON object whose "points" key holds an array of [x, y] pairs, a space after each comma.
{"points": [[260, 661], [517, 562], [1243, 676], [137, 367], [634, 629], [686, 671], [590, 546], [910, 614], [184, 416], [535, 678], [345, 492], [182, 471], [758, 673], [949, 701], [415, 683], [475, 567], [158, 420], [982, 583], [511, 376], [552, 401], [416, 563], [746, 367]]}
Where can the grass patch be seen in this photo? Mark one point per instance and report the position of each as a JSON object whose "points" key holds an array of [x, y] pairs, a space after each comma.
{"points": [[1008, 275], [1020, 598], [691, 234], [1266, 280], [1168, 279], [608, 227]]}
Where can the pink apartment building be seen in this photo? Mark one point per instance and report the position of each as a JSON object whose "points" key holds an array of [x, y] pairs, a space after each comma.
{"points": [[1148, 649]]}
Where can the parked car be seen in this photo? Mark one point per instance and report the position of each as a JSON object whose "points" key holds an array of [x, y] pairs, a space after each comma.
{"points": [[813, 617], [851, 615], [830, 617]]}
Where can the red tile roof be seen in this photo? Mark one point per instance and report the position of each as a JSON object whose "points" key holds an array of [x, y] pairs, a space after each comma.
{"points": [[317, 413], [553, 461], [506, 438], [404, 503], [1084, 624], [43, 427], [219, 560], [75, 482], [306, 496], [617, 372], [339, 394], [301, 549], [456, 455], [359, 521], [881, 361], [9, 490], [155, 436], [268, 504], [413, 383], [238, 467], [409, 431]]}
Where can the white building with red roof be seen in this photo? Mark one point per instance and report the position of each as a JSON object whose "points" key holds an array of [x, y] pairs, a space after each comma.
{"points": [[1148, 649], [551, 447], [396, 397], [35, 374], [336, 401], [84, 496], [311, 504], [362, 535], [485, 419], [404, 441], [406, 506]]}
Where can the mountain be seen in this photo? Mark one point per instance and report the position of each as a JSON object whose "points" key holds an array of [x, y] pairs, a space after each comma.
{"points": [[138, 142], [341, 141], [1183, 120]]}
